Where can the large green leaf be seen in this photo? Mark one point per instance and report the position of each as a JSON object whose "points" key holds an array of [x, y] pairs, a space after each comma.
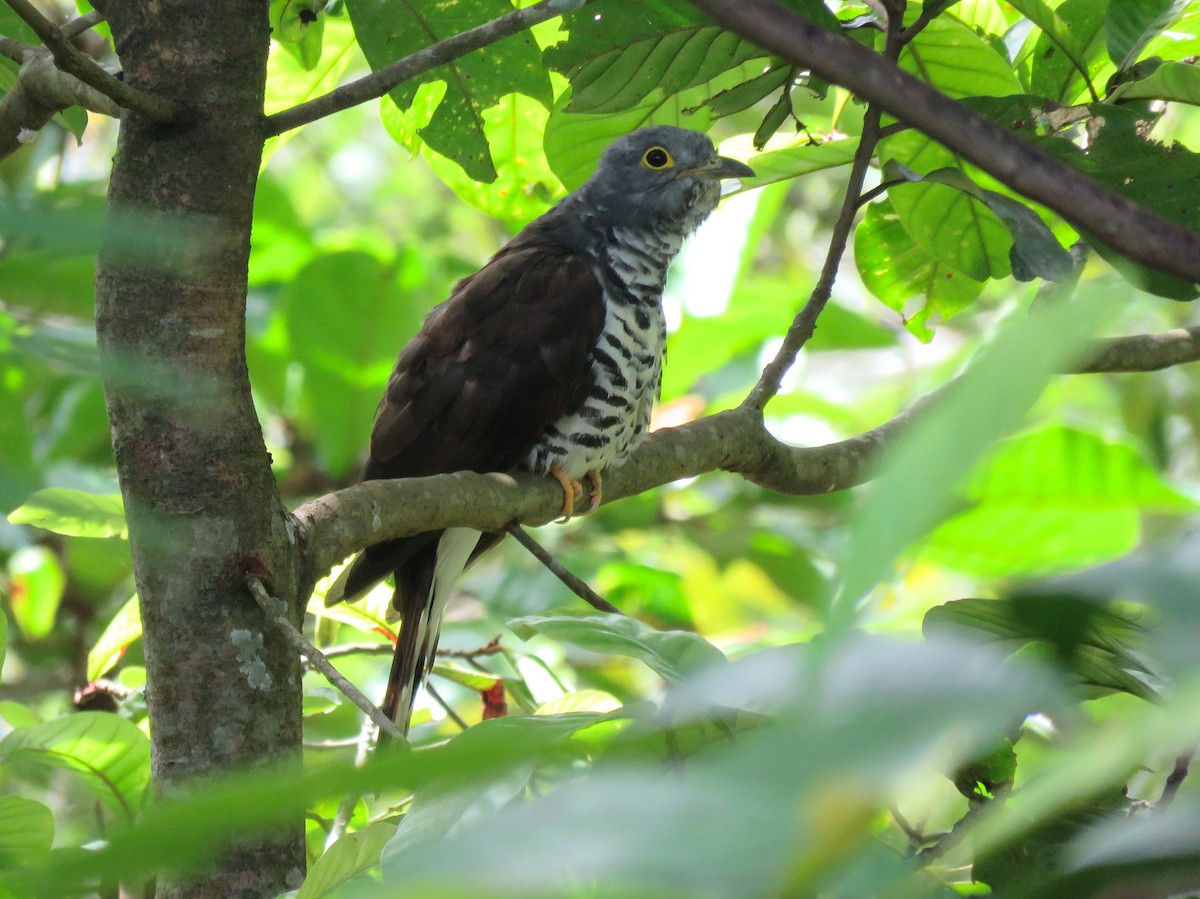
{"points": [[952, 58], [26, 831], [1054, 74], [618, 53], [73, 513], [673, 654], [1131, 24], [1058, 32], [525, 186], [1035, 251], [1054, 500], [895, 269], [949, 225], [387, 32], [351, 855], [106, 751], [802, 158], [1165, 179], [290, 82], [1175, 82]]}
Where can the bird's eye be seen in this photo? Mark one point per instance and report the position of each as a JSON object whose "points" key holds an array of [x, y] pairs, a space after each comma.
{"points": [[656, 159]]}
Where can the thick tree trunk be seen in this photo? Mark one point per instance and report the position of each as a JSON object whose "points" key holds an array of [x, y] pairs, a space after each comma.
{"points": [[194, 472]]}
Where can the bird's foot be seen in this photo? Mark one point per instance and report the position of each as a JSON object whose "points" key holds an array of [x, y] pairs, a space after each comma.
{"points": [[572, 490], [595, 485]]}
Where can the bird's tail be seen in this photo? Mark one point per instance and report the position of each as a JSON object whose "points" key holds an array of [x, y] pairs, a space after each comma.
{"points": [[421, 595]]}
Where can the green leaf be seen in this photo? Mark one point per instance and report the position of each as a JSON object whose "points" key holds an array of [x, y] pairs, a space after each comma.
{"points": [[290, 82], [1097, 644], [37, 587], [1055, 30], [351, 855], [467, 677], [617, 55], [1175, 82], [525, 186], [74, 513], [916, 489], [1053, 74], [672, 654], [952, 58], [26, 831], [949, 225], [106, 751], [123, 631], [388, 32], [299, 26], [1164, 179], [1035, 252], [1131, 24], [347, 348], [895, 269], [802, 158]]}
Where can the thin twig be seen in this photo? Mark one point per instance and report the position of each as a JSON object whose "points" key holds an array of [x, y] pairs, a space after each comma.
{"points": [[1175, 780], [446, 707], [805, 322], [375, 85], [79, 25], [270, 607], [575, 584], [365, 743], [74, 62], [952, 837], [382, 649]]}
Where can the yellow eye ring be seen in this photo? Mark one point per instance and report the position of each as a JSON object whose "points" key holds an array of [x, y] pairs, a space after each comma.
{"points": [[656, 159]]}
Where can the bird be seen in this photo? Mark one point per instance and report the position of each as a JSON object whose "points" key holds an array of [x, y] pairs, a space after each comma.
{"points": [[547, 360]]}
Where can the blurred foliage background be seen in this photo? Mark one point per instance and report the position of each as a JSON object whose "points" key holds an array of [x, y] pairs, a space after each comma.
{"points": [[818, 695]]}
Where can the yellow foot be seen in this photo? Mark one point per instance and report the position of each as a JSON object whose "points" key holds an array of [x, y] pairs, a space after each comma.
{"points": [[572, 490], [594, 487]]}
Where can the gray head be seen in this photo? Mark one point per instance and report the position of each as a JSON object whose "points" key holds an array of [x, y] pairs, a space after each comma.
{"points": [[660, 176]]}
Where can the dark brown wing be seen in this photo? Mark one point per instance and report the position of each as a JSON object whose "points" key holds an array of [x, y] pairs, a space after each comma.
{"points": [[495, 365]]}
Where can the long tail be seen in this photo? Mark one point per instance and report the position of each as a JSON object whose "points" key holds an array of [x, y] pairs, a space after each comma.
{"points": [[422, 591]]}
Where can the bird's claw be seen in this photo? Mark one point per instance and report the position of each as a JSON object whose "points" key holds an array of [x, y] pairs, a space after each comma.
{"points": [[573, 491]]}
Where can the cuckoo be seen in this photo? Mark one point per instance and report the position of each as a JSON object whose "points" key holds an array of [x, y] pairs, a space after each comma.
{"points": [[548, 359]]}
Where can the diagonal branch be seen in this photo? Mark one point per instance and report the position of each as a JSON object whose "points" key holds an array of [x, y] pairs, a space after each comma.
{"points": [[375, 85], [333, 526], [73, 62], [805, 322], [1119, 222]]}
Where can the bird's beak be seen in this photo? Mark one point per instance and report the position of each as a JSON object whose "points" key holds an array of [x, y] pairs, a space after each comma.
{"points": [[721, 167]]}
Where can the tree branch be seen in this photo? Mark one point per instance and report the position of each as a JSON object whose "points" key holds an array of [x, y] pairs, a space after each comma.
{"points": [[575, 584], [333, 526], [41, 91], [375, 85], [271, 611], [1122, 224], [805, 322], [73, 62]]}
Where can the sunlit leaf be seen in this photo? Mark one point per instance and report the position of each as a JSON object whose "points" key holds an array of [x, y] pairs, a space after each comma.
{"points": [[388, 32], [1176, 82], [958, 62], [466, 677], [351, 855], [37, 582], [106, 751], [123, 630], [1131, 24], [73, 513], [895, 269], [672, 654], [1053, 73], [26, 831]]}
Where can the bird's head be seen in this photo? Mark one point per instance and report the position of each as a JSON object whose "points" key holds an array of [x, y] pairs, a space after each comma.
{"points": [[660, 176]]}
